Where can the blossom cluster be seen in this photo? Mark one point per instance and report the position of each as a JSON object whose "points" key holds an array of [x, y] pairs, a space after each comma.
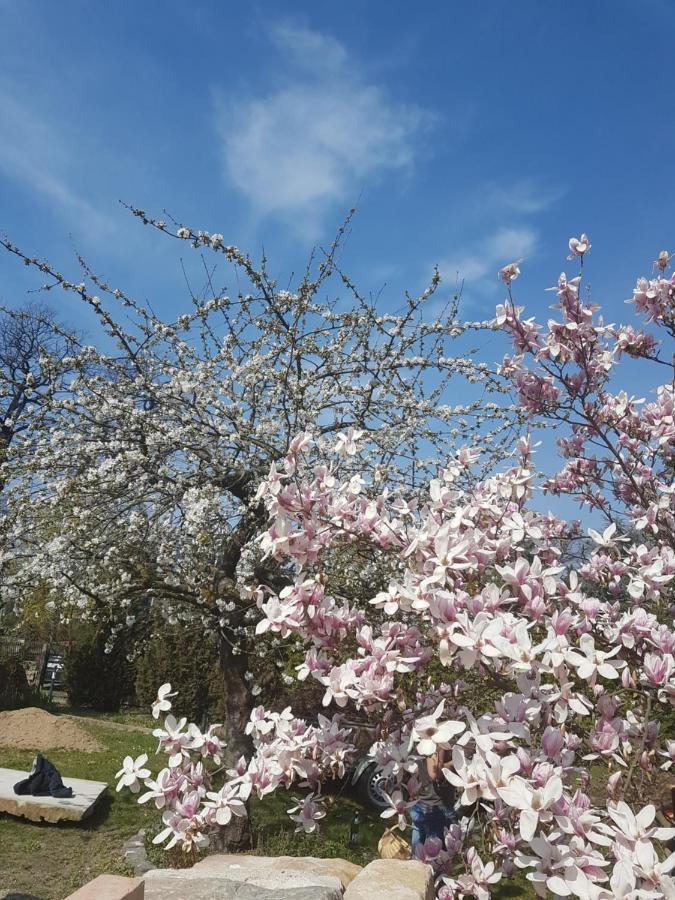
{"points": [[483, 589], [539, 659], [197, 793], [141, 460], [617, 448]]}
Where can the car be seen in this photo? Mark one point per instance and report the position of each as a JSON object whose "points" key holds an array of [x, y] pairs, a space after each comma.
{"points": [[53, 671], [370, 784]]}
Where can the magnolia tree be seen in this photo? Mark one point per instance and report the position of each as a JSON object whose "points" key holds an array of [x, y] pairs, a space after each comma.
{"points": [[546, 684], [139, 494]]}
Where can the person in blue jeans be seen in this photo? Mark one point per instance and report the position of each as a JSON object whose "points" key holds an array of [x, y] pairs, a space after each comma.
{"points": [[434, 810]]}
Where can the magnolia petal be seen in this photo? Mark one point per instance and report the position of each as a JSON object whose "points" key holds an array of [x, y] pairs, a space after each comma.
{"points": [[558, 885], [529, 819]]}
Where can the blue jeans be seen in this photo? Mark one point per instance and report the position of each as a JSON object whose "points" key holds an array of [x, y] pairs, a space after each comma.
{"points": [[429, 822]]}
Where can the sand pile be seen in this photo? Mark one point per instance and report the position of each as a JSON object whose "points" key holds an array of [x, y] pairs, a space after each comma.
{"points": [[36, 729]]}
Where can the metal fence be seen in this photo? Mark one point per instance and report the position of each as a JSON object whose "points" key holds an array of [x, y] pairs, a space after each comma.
{"points": [[16, 647]]}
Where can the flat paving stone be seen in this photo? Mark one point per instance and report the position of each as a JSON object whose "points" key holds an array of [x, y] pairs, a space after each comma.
{"points": [[49, 809], [177, 885]]}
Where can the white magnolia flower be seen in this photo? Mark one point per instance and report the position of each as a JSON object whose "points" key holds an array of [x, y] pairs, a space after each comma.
{"points": [[132, 770], [173, 740], [429, 733], [228, 801], [534, 803], [509, 273], [467, 775], [591, 662], [579, 246], [633, 827], [346, 442], [162, 703], [606, 539], [477, 884], [159, 790]]}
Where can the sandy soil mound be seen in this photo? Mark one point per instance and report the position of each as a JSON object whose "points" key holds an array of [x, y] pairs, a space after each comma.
{"points": [[36, 729]]}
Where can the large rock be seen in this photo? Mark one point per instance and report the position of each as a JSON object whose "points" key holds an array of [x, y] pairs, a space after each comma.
{"points": [[223, 876], [392, 879], [110, 887], [181, 884], [49, 809], [267, 868]]}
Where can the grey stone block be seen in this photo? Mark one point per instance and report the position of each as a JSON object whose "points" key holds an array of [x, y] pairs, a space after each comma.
{"points": [[181, 884]]}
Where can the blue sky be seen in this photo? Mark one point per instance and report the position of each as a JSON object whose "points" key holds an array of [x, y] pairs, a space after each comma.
{"points": [[468, 134]]}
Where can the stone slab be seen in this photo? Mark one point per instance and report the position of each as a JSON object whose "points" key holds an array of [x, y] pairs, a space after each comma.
{"points": [[110, 887], [180, 884], [392, 879], [49, 809], [268, 870]]}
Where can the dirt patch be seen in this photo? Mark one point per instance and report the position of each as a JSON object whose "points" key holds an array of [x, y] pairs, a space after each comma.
{"points": [[36, 729]]}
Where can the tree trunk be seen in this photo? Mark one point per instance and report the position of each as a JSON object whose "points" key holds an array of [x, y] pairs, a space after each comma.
{"points": [[236, 836]]}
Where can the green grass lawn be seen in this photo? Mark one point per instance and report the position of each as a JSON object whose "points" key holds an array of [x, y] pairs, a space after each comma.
{"points": [[49, 861]]}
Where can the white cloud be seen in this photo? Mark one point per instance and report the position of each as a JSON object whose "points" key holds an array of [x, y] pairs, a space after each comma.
{"points": [[319, 136], [527, 196], [477, 266], [33, 153], [307, 49]]}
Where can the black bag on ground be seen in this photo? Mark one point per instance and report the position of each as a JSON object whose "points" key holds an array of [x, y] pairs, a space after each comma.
{"points": [[44, 780]]}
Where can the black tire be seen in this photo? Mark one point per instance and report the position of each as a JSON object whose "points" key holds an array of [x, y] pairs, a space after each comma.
{"points": [[370, 786]]}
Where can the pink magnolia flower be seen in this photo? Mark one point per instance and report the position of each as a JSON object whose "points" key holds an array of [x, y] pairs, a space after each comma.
{"points": [[307, 813], [477, 882], [509, 273], [212, 746], [430, 851], [613, 783], [657, 669], [398, 806], [579, 246], [552, 741]]}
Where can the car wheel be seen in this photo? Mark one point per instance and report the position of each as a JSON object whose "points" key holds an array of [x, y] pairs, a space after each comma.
{"points": [[371, 787]]}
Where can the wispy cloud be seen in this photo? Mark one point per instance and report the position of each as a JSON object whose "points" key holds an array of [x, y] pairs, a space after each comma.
{"points": [[33, 153], [517, 205], [320, 135], [526, 196], [477, 265]]}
